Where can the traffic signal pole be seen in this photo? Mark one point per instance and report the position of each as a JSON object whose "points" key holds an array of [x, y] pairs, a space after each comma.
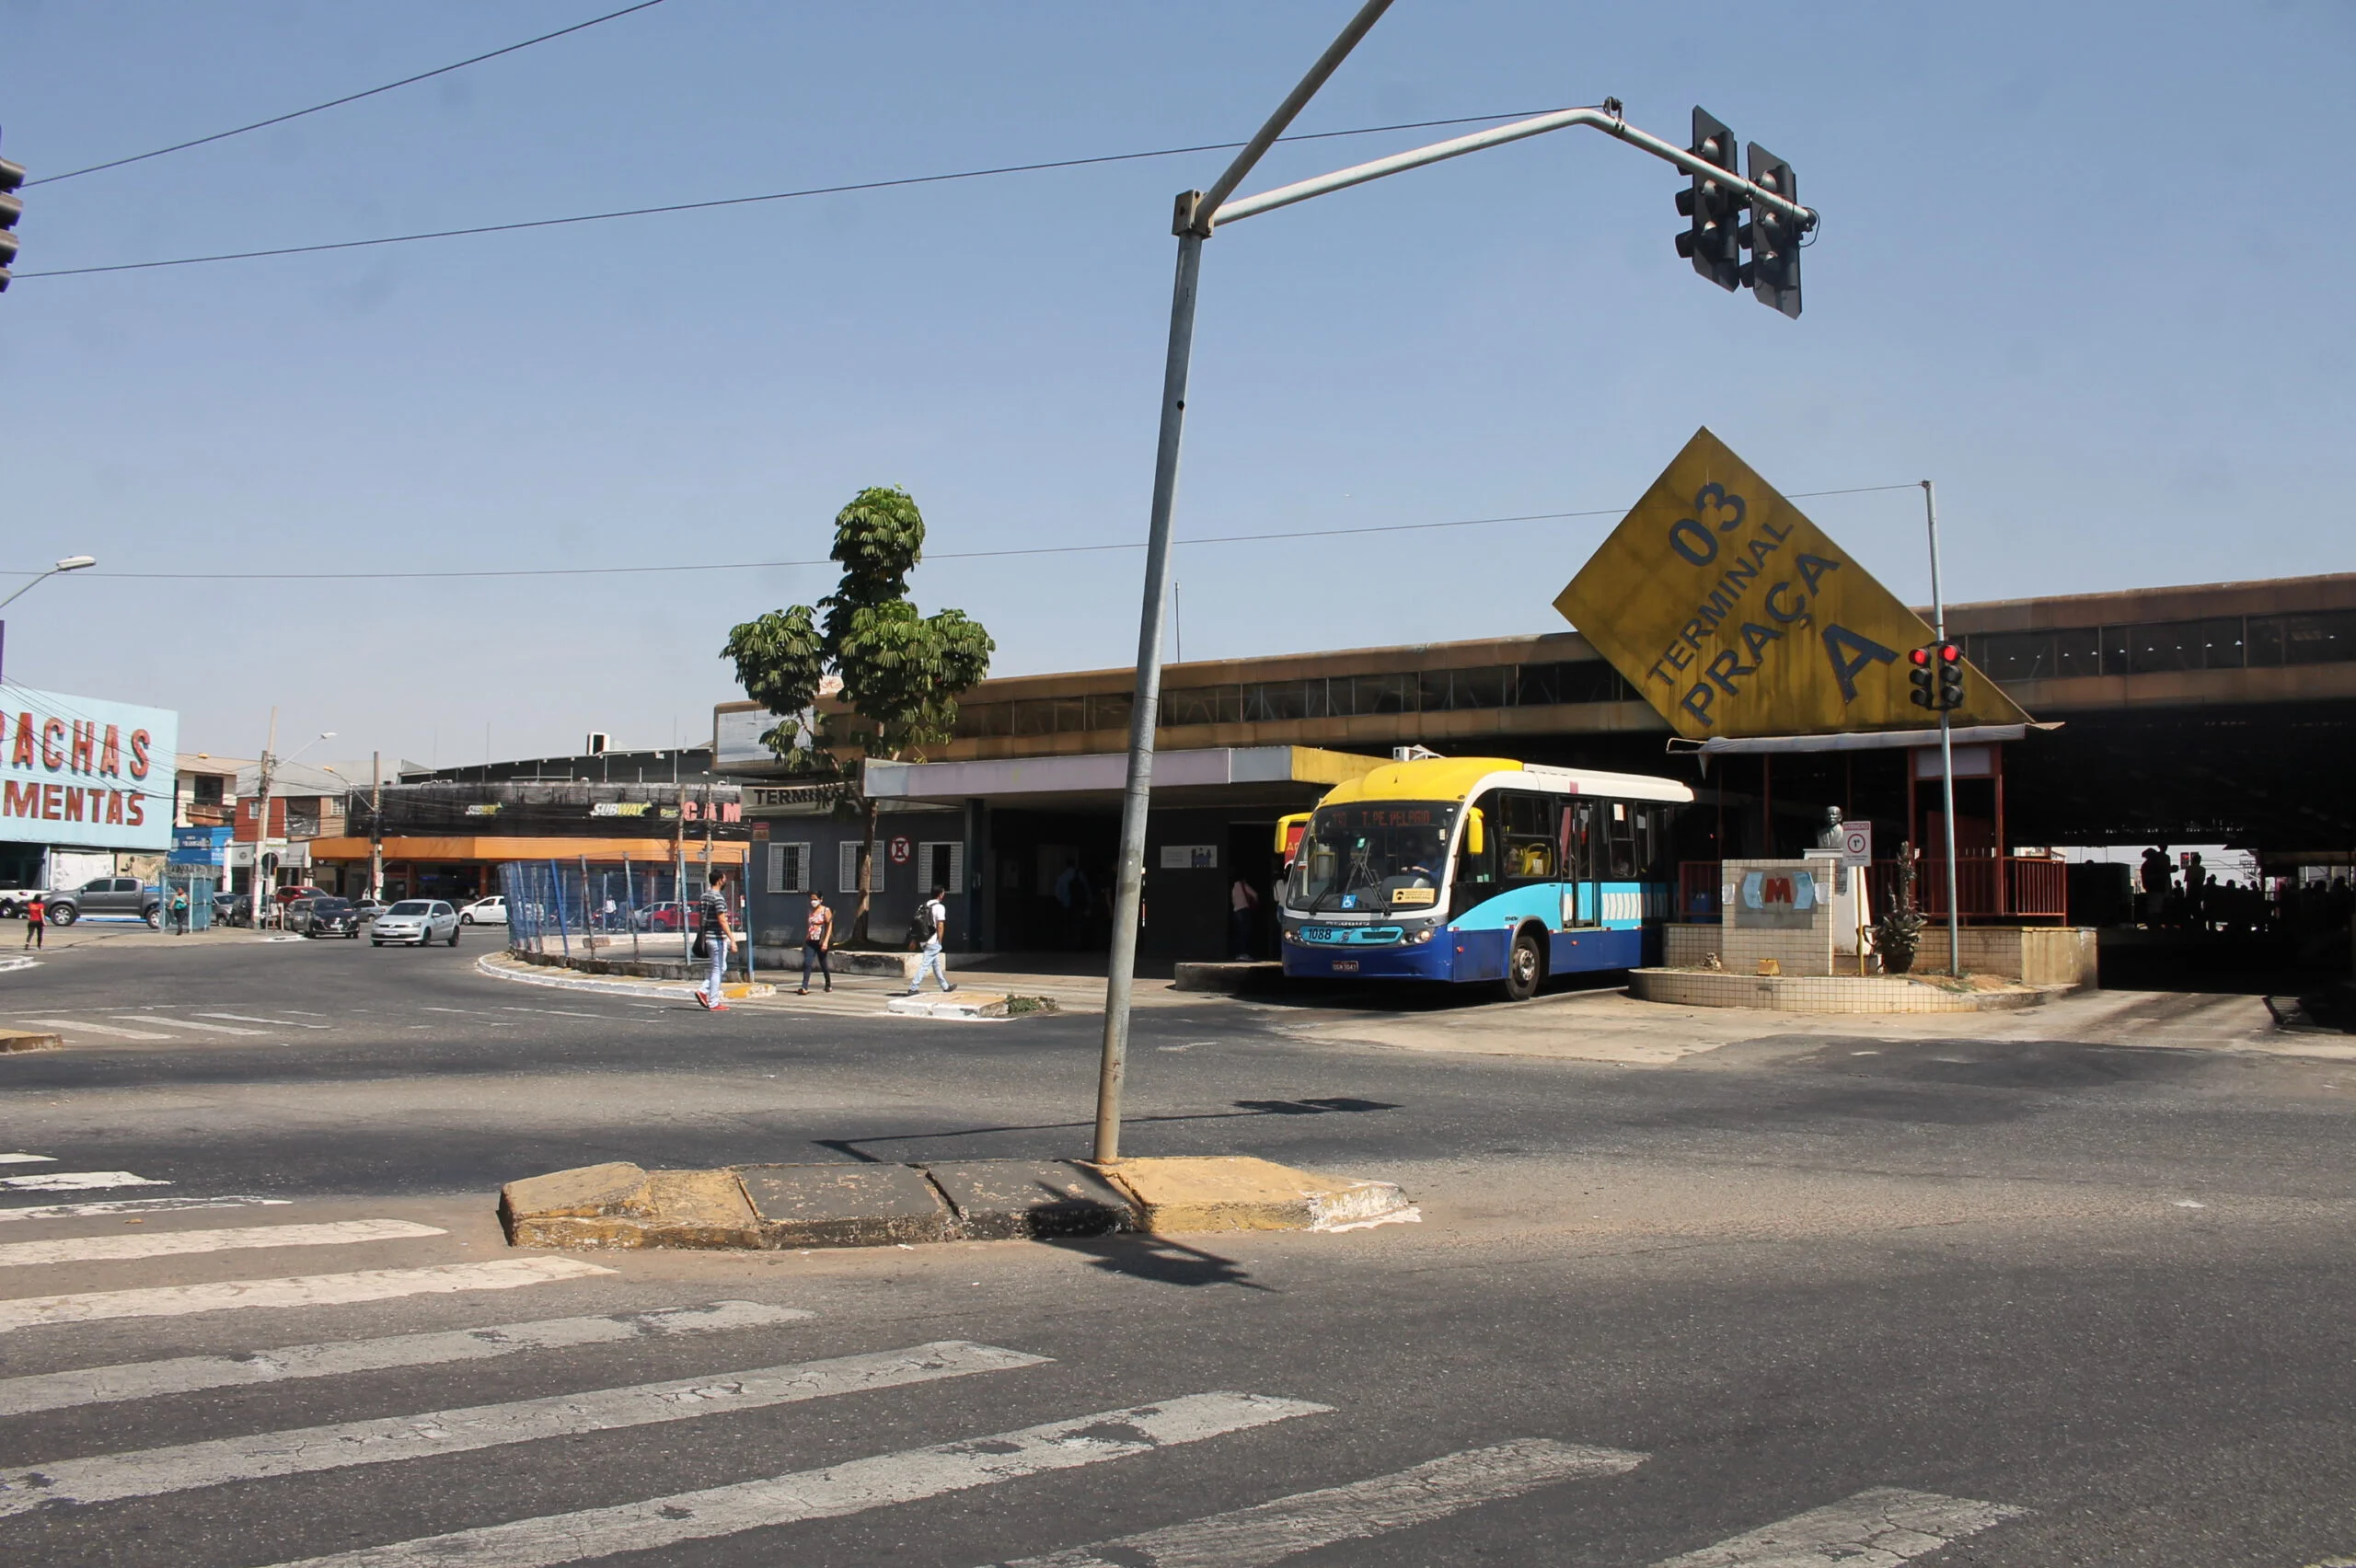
{"points": [[1196, 215], [1946, 745]]}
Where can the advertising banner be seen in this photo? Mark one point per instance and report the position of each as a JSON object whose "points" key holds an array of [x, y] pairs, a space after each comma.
{"points": [[84, 771]]}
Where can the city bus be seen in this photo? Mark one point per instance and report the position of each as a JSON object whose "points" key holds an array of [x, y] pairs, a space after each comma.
{"points": [[1480, 869]]}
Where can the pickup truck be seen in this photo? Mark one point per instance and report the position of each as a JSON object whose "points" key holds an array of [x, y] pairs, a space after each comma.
{"points": [[99, 895]]}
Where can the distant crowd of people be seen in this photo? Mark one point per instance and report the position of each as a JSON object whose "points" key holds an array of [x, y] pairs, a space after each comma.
{"points": [[2192, 900]]}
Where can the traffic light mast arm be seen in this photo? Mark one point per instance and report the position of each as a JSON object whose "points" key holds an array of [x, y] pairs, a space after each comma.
{"points": [[1605, 120]]}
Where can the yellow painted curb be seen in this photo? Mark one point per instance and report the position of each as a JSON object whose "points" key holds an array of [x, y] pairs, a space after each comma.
{"points": [[1176, 1196]]}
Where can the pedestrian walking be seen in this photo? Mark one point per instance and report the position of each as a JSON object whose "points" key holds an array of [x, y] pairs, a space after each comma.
{"points": [[1243, 898], [713, 933], [817, 941], [36, 922], [931, 927], [179, 912]]}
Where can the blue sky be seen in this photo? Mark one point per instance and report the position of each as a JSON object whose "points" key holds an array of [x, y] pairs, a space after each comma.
{"points": [[2071, 267]]}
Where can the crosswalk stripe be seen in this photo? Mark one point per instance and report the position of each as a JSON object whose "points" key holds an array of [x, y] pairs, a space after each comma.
{"points": [[1272, 1531], [833, 1491], [297, 1290], [282, 1023], [152, 1472], [1873, 1530], [77, 1181], [28, 1159], [172, 1243], [191, 1023], [187, 1374], [86, 1027], [134, 1205]]}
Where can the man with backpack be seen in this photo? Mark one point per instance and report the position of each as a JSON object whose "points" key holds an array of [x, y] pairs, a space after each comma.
{"points": [[927, 930]]}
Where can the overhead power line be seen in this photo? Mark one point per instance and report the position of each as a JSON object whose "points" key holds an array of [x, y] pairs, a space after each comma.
{"points": [[336, 103], [943, 555], [744, 200]]}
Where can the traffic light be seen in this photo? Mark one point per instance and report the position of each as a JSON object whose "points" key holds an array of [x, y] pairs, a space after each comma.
{"points": [[1712, 241], [1922, 677], [1774, 273], [1950, 660], [11, 207]]}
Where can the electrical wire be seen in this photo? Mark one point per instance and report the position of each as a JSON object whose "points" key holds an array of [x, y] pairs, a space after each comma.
{"points": [[715, 203], [335, 103], [943, 555]]}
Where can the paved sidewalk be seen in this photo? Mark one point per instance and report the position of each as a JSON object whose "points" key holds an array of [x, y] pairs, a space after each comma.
{"points": [[864, 996]]}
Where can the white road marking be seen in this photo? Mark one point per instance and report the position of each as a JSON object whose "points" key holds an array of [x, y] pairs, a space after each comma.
{"points": [[191, 1023], [134, 1205], [559, 1012], [298, 1290], [28, 1159], [173, 1243], [77, 1181], [76, 1024], [1272, 1531], [153, 1472], [248, 1018], [852, 1487], [1880, 1528], [148, 1379]]}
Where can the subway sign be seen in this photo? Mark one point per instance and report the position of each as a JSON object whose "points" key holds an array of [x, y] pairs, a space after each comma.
{"points": [[85, 772]]}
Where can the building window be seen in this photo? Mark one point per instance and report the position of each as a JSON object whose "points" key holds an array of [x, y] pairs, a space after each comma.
{"points": [[983, 718], [303, 816], [941, 864], [1202, 705], [208, 788], [789, 868], [847, 867], [1034, 718], [2320, 636], [1110, 710], [1385, 694]]}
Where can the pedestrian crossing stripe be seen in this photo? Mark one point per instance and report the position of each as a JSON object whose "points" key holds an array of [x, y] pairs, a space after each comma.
{"points": [[153, 1472], [77, 1181], [189, 1374], [300, 1290], [833, 1492], [1269, 1532], [179, 1243], [1886, 1526], [84, 1026], [105, 1206], [28, 1159]]}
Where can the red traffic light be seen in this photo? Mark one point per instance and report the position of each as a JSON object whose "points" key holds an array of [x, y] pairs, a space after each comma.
{"points": [[1921, 656], [1950, 654]]}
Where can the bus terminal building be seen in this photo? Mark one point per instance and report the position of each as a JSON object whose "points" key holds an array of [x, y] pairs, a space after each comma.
{"points": [[2220, 713]]}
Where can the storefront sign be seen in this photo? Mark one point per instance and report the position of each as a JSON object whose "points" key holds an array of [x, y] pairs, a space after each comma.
{"points": [[77, 770], [199, 846], [1736, 615]]}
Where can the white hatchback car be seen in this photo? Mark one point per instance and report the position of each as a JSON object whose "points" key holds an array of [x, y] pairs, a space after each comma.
{"points": [[492, 911], [417, 921]]}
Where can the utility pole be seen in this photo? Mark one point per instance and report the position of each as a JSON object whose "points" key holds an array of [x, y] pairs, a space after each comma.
{"points": [[261, 821], [376, 826], [1195, 214], [679, 847], [1947, 745]]}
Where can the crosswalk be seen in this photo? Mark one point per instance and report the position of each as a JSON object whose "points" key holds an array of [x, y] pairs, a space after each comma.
{"points": [[165, 1023], [950, 1444]]}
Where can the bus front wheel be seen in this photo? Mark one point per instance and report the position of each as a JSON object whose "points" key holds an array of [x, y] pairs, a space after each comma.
{"points": [[1524, 968]]}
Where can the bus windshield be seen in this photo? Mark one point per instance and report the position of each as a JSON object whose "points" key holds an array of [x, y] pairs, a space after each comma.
{"points": [[1382, 857]]}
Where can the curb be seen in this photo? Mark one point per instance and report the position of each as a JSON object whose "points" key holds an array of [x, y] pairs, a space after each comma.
{"points": [[795, 1207], [676, 990]]}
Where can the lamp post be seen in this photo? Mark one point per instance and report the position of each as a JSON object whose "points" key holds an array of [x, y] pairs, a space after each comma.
{"points": [[1196, 213], [71, 563], [269, 764]]}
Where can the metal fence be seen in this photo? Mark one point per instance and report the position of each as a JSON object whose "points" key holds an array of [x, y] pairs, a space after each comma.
{"points": [[582, 908], [197, 883]]}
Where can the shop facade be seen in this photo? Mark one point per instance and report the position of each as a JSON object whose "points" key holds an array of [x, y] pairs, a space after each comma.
{"points": [[86, 788]]}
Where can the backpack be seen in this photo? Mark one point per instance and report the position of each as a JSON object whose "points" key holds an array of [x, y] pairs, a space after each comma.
{"points": [[920, 929]]}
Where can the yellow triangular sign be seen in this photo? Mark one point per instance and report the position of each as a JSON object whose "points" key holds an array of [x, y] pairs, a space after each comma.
{"points": [[1737, 617]]}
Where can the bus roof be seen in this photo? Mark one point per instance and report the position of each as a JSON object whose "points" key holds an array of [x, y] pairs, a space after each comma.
{"points": [[1455, 778]]}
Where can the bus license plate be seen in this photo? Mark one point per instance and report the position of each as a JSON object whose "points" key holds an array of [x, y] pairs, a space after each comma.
{"points": [[1345, 966]]}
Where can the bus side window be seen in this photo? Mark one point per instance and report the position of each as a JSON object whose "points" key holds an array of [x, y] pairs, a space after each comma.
{"points": [[1476, 857], [1620, 842], [1527, 820]]}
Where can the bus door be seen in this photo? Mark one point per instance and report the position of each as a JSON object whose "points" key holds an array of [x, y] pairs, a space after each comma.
{"points": [[1582, 899]]}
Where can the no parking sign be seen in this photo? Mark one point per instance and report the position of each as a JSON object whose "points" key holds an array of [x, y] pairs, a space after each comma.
{"points": [[900, 851]]}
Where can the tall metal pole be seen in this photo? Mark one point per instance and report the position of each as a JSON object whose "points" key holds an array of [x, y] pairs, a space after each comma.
{"points": [[376, 826], [261, 822], [1946, 744], [1129, 871]]}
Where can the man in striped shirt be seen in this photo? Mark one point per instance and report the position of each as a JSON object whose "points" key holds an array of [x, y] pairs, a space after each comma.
{"points": [[712, 928]]}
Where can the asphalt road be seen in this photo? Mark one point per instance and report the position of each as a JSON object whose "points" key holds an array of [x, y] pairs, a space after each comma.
{"points": [[2074, 1301]]}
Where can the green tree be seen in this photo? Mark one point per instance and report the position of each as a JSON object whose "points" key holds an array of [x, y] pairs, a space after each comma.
{"points": [[901, 672]]}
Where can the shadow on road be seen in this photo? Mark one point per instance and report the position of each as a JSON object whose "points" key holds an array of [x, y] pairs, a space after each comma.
{"points": [[1157, 1260]]}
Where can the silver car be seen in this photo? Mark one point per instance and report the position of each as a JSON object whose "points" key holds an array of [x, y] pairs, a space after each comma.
{"points": [[417, 921]]}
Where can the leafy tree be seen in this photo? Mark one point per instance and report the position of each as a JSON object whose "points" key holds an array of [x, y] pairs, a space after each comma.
{"points": [[901, 674]]}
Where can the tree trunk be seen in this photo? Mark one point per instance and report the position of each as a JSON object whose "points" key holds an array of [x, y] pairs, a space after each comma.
{"points": [[866, 868]]}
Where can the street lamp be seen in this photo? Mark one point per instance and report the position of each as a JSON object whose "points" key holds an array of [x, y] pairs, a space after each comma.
{"points": [[261, 807], [1195, 214], [71, 563]]}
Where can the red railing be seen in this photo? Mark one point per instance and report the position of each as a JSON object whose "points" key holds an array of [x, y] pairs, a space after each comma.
{"points": [[1992, 888]]}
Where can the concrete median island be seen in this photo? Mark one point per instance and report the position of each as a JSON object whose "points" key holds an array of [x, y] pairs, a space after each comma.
{"points": [[788, 1207]]}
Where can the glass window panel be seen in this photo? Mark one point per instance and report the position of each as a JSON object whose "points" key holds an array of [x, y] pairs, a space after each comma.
{"points": [[983, 718], [1071, 714], [1484, 688], [1187, 705], [2015, 656], [1034, 718], [2322, 636], [1272, 702], [1385, 694], [1433, 693], [2114, 650], [1111, 709], [2159, 647], [1589, 680], [1537, 685], [1319, 699], [2077, 650], [2221, 643], [2266, 639]]}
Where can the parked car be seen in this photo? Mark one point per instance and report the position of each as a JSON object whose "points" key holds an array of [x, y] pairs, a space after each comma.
{"points": [[232, 908], [417, 921], [368, 905], [325, 916], [492, 911], [669, 917], [286, 896], [106, 895]]}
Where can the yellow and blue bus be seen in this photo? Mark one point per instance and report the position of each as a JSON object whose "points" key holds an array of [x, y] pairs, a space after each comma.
{"points": [[1481, 870]]}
